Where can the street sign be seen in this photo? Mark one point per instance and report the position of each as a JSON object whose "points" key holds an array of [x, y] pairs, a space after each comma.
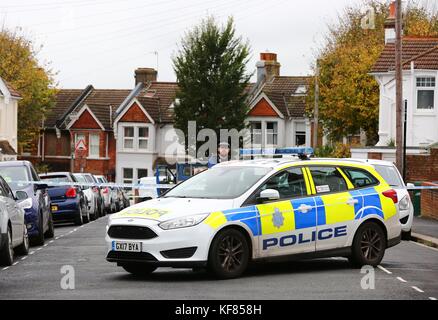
{"points": [[80, 145]]}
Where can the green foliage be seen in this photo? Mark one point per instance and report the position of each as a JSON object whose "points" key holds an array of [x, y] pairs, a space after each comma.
{"points": [[211, 73], [349, 95], [19, 67], [338, 150]]}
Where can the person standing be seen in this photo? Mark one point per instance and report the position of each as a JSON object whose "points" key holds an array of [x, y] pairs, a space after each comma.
{"points": [[223, 155]]}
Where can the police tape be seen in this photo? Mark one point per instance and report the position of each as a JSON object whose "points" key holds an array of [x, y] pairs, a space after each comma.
{"points": [[21, 183]]}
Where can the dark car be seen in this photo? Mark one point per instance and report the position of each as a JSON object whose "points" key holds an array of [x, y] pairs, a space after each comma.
{"points": [[21, 176], [68, 202]]}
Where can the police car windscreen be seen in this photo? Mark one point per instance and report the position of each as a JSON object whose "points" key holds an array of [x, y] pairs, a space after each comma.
{"points": [[219, 183]]}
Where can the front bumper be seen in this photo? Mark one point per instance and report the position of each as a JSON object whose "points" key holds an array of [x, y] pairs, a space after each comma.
{"points": [[154, 251]]}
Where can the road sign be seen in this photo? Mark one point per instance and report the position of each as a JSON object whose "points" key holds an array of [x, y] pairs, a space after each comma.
{"points": [[81, 145]]}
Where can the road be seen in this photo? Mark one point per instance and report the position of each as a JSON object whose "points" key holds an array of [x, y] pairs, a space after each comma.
{"points": [[408, 271]]}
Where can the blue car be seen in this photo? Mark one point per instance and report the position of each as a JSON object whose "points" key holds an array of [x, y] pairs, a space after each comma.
{"points": [[67, 201], [38, 218]]}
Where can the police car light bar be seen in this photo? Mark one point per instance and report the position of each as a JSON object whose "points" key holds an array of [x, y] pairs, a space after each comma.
{"points": [[276, 152]]}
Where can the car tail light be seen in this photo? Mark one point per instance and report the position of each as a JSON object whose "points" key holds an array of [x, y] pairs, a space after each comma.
{"points": [[392, 194], [105, 190], [71, 193]]}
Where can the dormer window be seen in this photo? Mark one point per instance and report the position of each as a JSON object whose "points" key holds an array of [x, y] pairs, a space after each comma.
{"points": [[301, 90]]}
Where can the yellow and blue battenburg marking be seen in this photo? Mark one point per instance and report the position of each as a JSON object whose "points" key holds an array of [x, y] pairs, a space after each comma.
{"points": [[282, 216]]}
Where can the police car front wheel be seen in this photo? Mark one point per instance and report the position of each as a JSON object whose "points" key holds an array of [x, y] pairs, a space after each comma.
{"points": [[229, 254], [368, 245]]}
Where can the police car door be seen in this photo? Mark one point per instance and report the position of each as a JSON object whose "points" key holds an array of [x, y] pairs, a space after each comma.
{"points": [[289, 224], [336, 206]]}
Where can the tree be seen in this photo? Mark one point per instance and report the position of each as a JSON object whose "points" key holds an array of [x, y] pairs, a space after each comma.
{"points": [[19, 67], [211, 73], [349, 95]]}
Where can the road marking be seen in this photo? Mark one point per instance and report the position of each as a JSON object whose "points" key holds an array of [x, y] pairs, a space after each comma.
{"points": [[401, 279], [56, 238], [24, 258], [383, 269], [75, 229], [417, 289], [15, 263], [423, 245], [45, 245], [432, 298], [32, 252], [5, 268], [38, 249], [51, 241]]}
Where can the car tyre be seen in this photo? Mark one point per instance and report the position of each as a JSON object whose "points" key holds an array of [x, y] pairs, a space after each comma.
{"points": [[86, 219], [39, 239], [7, 252], [229, 254], [50, 233], [79, 219], [369, 245], [406, 235], [138, 269], [23, 248]]}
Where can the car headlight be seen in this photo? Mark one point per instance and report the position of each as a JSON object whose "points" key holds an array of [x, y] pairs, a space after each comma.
{"points": [[26, 204], [404, 203], [184, 222]]}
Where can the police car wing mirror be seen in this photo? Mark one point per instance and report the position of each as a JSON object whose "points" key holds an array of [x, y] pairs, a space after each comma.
{"points": [[268, 195]]}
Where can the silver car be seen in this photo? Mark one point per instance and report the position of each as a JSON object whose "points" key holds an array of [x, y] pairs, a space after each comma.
{"points": [[90, 194], [13, 231]]}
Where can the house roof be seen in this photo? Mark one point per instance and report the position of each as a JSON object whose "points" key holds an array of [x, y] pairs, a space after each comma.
{"points": [[71, 101], [14, 93], [281, 91], [6, 148], [165, 93], [152, 107], [421, 50]]}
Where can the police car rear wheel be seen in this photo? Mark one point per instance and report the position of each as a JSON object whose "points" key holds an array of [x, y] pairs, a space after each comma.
{"points": [[229, 254], [368, 245], [138, 269]]}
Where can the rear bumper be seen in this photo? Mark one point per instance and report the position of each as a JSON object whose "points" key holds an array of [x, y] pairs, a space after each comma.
{"points": [[67, 209]]}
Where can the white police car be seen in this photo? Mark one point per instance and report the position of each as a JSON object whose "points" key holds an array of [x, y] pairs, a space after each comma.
{"points": [[259, 210]]}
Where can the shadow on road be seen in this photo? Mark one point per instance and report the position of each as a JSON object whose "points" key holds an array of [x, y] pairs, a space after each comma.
{"points": [[255, 270]]}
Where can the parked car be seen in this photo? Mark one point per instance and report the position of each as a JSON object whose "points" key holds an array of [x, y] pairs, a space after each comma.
{"points": [[96, 190], [390, 173], [121, 203], [90, 196], [13, 232], [67, 202], [109, 195], [21, 176]]}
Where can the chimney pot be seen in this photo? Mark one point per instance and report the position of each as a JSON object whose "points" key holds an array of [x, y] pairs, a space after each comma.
{"points": [[268, 67]]}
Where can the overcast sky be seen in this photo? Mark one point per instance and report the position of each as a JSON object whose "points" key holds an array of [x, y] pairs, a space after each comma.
{"points": [[101, 42]]}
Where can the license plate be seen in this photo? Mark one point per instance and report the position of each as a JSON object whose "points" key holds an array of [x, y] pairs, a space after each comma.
{"points": [[127, 246], [54, 208]]}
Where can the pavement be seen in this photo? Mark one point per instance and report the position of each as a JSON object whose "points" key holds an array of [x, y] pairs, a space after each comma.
{"points": [[408, 271], [425, 230]]}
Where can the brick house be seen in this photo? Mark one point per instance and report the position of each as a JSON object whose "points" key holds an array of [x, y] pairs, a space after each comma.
{"points": [[80, 114]]}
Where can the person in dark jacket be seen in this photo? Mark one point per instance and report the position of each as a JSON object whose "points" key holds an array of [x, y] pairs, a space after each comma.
{"points": [[223, 155]]}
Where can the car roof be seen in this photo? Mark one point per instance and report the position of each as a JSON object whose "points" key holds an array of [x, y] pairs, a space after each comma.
{"points": [[61, 173], [14, 163], [286, 162]]}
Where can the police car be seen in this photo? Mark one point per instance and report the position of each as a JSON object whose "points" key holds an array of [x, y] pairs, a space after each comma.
{"points": [[259, 210]]}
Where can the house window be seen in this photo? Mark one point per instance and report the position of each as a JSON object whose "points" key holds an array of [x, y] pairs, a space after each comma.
{"points": [[128, 175], [300, 138], [425, 93], [93, 150], [271, 133], [141, 173], [143, 137], [256, 133], [128, 137]]}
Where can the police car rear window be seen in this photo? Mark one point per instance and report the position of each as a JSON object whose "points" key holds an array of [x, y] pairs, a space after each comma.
{"points": [[360, 178]]}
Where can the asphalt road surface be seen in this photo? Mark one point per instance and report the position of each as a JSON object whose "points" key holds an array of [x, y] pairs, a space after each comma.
{"points": [[408, 271]]}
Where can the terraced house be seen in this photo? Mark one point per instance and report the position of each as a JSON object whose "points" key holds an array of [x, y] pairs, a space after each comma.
{"points": [[127, 132]]}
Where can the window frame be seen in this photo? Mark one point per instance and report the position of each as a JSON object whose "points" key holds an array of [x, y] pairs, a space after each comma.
{"points": [[337, 168], [90, 155], [342, 168], [125, 138], [273, 134], [425, 87]]}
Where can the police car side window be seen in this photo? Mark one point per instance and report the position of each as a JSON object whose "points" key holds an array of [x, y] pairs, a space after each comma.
{"points": [[289, 183], [327, 179], [360, 178]]}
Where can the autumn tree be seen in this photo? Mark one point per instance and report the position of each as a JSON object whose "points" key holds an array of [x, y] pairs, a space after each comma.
{"points": [[19, 66], [210, 67], [349, 95]]}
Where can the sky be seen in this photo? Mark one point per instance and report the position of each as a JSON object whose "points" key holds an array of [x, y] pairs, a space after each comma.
{"points": [[102, 42]]}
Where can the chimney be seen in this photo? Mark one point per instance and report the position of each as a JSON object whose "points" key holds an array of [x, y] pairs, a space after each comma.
{"points": [[145, 75], [390, 25], [267, 67]]}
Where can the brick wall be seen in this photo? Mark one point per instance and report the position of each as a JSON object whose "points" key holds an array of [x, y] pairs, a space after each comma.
{"points": [[422, 167], [429, 201]]}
